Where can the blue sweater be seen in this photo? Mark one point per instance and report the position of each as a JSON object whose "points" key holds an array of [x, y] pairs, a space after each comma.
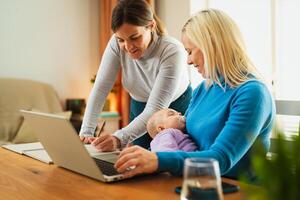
{"points": [[224, 125]]}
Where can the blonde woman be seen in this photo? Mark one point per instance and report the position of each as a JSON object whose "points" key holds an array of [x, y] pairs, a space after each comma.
{"points": [[228, 112]]}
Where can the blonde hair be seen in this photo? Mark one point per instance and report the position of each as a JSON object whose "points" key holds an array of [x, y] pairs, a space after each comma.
{"points": [[222, 45]]}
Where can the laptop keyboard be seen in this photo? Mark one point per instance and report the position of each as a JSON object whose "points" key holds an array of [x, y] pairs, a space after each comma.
{"points": [[106, 168]]}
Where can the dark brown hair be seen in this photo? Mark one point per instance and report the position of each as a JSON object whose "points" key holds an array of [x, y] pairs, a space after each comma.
{"points": [[135, 12]]}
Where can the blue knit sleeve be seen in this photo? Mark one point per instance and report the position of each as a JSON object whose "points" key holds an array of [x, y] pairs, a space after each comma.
{"points": [[251, 113]]}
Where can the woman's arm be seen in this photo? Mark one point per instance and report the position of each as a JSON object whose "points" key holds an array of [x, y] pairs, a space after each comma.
{"points": [[171, 69], [251, 113], [106, 76]]}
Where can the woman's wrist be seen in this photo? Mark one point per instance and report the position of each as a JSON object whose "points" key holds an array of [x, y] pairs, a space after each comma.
{"points": [[155, 161], [117, 142]]}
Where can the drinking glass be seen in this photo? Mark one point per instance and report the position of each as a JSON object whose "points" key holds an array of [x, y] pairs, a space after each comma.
{"points": [[202, 179]]}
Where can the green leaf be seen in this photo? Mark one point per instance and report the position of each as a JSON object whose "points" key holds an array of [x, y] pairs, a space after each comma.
{"points": [[279, 177]]}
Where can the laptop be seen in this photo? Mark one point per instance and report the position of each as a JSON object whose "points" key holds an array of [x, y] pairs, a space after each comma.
{"points": [[63, 145]]}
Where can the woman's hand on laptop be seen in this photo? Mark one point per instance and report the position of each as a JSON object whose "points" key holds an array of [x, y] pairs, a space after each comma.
{"points": [[136, 160], [106, 142]]}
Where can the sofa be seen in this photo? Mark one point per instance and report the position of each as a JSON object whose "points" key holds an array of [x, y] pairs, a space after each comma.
{"points": [[24, 94]]}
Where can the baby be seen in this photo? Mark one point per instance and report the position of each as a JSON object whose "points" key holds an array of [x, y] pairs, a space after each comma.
{"points": [[167, 128]]}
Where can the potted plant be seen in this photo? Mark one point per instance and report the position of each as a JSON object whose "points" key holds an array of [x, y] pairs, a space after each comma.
{"points": [[278, 175]]}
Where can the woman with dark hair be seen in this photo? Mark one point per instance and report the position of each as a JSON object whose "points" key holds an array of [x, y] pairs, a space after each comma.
{"points": [[153, 72]]}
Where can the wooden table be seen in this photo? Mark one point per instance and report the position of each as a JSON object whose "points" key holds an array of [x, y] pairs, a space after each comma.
{"points": [[24, 178]]}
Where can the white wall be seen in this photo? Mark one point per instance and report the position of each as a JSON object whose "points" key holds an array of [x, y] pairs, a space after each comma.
{"points": [[53, 41], [175, 13]]}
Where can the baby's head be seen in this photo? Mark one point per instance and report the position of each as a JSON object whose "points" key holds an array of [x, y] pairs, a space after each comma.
{"points": [[165, 118]]}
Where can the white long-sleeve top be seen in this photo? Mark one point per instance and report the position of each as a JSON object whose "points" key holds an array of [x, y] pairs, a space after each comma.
{"points": [[159, 77]]}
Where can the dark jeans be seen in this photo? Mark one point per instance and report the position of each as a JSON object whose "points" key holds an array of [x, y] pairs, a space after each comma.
{"points": [[137, 107]]}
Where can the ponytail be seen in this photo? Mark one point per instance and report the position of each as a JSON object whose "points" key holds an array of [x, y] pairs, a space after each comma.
{"points": [[160, 27]]}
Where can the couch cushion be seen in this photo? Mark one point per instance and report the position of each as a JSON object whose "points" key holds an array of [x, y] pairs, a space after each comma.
{"points": [[19, 94]]}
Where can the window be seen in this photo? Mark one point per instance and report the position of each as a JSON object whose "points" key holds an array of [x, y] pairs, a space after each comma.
{"points": [[287, 80], [252, 17], [271, 34]]}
